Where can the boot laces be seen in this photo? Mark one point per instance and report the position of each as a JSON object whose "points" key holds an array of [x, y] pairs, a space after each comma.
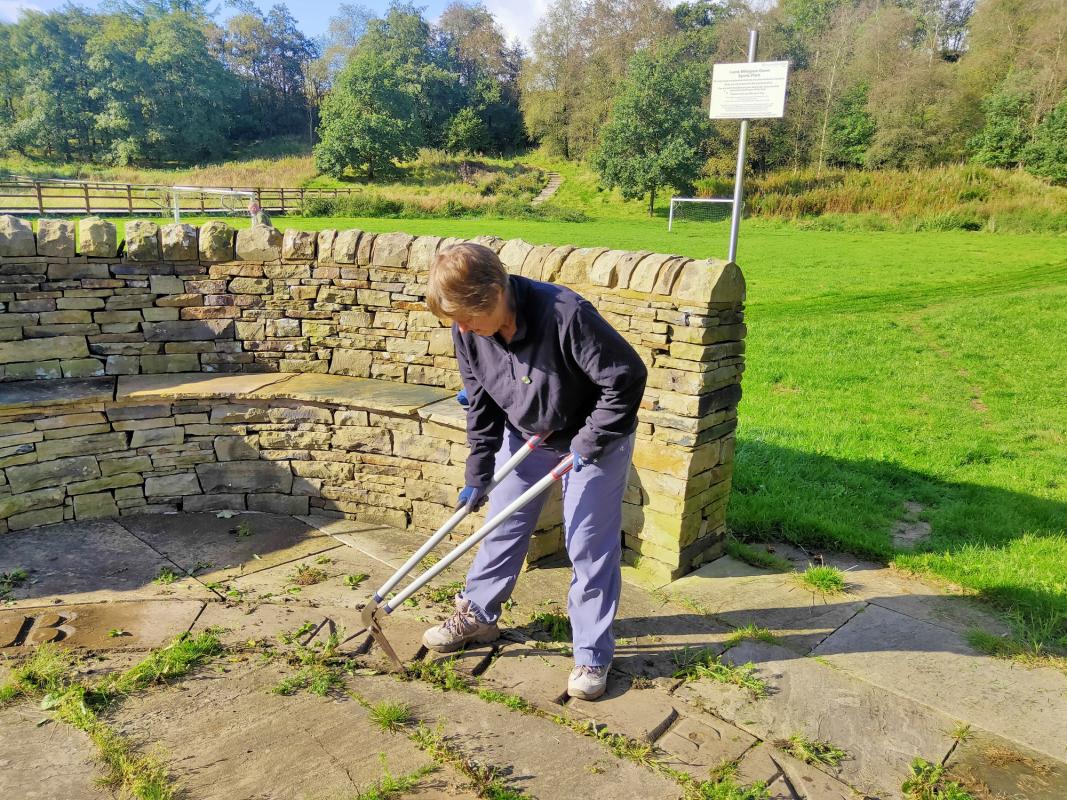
{"points": [[462, 622]]}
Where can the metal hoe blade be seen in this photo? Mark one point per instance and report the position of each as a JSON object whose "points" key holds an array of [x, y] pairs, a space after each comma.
{"points": [[370, 621]]}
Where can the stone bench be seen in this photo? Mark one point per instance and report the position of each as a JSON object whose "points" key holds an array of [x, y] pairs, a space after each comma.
{"points": [[292, 443]]}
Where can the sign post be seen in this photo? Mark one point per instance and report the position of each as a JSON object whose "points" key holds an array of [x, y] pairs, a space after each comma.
{"points": [[751, 90]]}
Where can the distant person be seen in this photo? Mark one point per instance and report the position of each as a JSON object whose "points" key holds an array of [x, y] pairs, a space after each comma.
{"points": [[259, 216]]}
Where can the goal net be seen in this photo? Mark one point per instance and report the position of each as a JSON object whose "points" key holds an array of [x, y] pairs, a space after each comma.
{"points": [[199, 200], [699, 209]]}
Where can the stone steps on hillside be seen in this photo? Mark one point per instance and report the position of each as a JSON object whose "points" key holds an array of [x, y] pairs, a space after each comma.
{"points": [[554, 182]]}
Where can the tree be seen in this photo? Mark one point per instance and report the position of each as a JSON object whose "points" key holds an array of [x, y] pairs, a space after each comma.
{"points": [[1004, 136], [375, 115], [270, 56], [1046, 155], [467, 133], [851, 129], [657, 132], [488, 71]]}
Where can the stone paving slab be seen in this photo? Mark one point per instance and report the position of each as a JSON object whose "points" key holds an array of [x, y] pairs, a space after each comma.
{"points": [[743, 595], [193, 540], [760, 765], [135, 625], [241, 622], [538, 676], [228, 736], [989, 766], [699, 745], [537, 756], [938, 668], [67, 564], [387, 545], [944, 605], [45, 762], [637, 713], [282, 583], [881, 731]]}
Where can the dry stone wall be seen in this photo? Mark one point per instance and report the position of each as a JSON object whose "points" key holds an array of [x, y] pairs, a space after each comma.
{"points": [[177, 299]]}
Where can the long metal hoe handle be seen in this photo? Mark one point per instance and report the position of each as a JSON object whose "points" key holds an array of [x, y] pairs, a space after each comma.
{"points": [[491, 525], [509, 466]]}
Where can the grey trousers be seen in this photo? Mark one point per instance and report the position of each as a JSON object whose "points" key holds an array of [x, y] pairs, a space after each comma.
{"points": [[592, 519]]}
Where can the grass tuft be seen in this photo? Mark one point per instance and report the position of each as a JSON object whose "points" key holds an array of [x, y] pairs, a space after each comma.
{"points": [[441, 674], [307, 575], [446, 593], [556, 625], [812, 751], [166, 576], [695, 663], [826, 580], [928, 782], [512, 701], [751, 632], [390, 716], [756, 557], [10, 581]]}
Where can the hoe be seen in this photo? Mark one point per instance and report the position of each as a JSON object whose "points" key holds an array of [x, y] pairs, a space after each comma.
{"points": [[379, 603]]}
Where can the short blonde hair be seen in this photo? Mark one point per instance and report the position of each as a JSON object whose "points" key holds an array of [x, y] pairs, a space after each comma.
{"points": [[467, 279]]}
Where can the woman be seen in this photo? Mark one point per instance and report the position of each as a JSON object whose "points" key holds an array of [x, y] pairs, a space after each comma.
{"points": [[536, 358]]}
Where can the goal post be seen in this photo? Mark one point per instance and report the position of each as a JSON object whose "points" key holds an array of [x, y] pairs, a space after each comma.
{"points": [[704, 208], [225, 201]]}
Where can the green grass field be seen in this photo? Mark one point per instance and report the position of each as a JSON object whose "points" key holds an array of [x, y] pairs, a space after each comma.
{"points": [[886, 368]]}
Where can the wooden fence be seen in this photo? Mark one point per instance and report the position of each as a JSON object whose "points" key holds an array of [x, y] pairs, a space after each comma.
{"points": [[63, 197]]}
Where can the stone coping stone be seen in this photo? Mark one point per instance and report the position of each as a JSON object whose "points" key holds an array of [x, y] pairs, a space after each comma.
{"points": [[192, 385], [387, 397], [31, 394], [446, 412]]}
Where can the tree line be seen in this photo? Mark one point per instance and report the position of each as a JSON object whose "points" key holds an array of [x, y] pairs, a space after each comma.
{"points": [[621, 84]]}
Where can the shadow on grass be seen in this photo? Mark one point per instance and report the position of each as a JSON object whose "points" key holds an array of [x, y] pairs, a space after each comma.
{"points": [[1010, 547]]}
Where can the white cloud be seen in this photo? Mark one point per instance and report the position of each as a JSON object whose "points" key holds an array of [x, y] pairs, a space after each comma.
{"points": [[518, 17], [9, 9]]}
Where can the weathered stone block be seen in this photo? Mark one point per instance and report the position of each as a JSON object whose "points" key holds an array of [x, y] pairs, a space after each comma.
{"points": [[710, 281], [172, 485], [375, 440], [216, 241], [391, 249], [142, 241], [259, 243], [28, 477], [298, 245], [184, 362], [55, 237], [122, 365], [214, 502], [345, 245], [22, 502], [81, 446], [324, 245], [154, 437], [95, 506], [236, 448], [422, 252], [578, 264], [166, 284], [250, 286], [54, 347], [271, 503], [82, 368], [421, 448], [246, 476], [514, 253], [31, 519], [16, 237], [97, 237], [188, 330]]}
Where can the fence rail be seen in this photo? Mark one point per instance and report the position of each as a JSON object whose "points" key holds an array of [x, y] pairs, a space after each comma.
{"points": [[62, 197]]}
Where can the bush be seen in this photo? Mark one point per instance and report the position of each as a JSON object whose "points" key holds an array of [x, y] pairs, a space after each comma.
{"points": [[372, 204]]}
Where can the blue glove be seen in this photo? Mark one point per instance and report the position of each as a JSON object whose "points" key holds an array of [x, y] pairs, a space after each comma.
{"points": [[578, 462], [462, 398], [473, 496]]}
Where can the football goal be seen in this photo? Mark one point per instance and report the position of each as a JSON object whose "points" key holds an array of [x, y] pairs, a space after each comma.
{"points": [[699, 209], [199, 200]]}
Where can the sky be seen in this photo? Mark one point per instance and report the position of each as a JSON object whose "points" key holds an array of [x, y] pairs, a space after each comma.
{"points": [[516, 17]]}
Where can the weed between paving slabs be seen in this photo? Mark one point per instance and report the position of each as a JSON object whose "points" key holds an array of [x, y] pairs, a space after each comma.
{"points": [[258, 690]]}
